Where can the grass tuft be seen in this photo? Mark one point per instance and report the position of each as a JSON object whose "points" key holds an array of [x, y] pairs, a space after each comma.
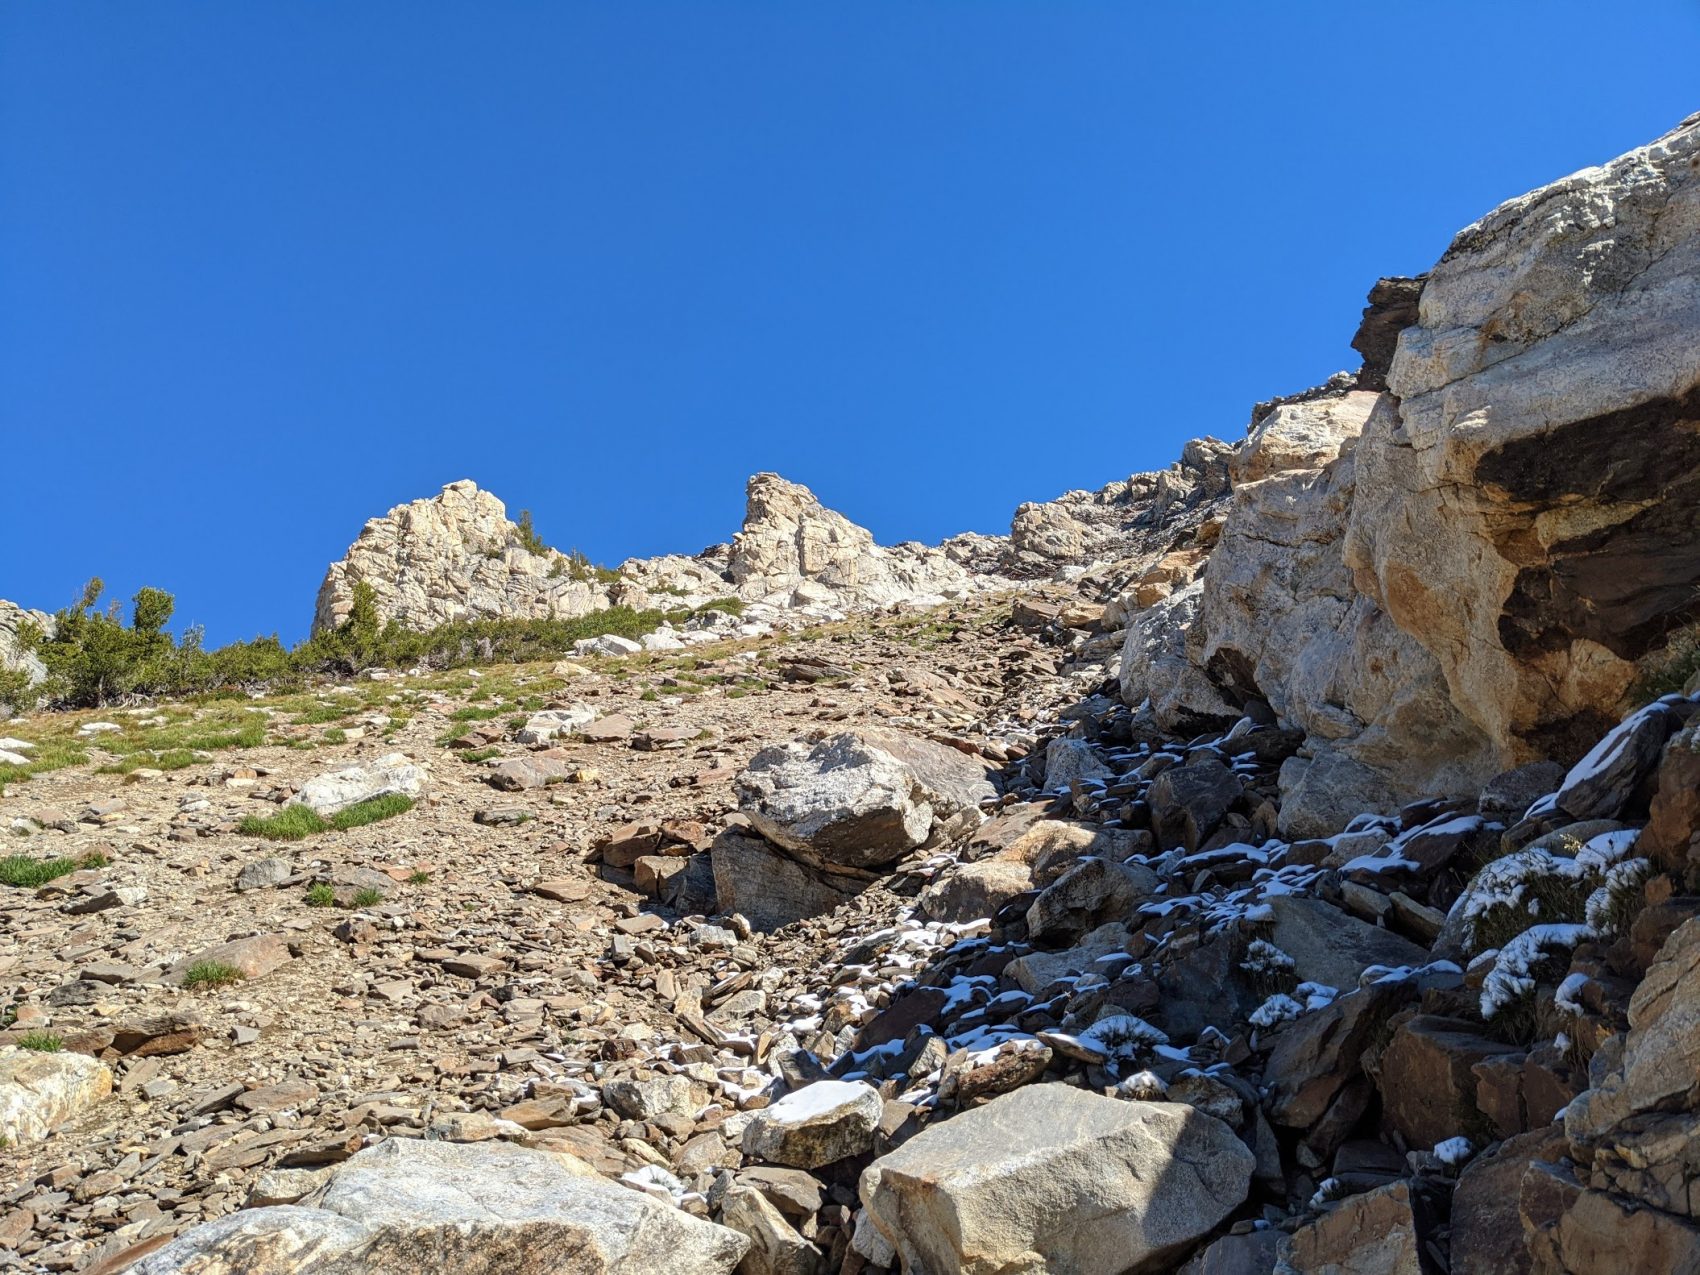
{"points": [[27, 873], [211, 974], [320, 896], [40, 1042], [292, 823], [371, 811]]}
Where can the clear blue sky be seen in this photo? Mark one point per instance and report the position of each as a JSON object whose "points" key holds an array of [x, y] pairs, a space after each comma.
{"points": [[267, 269]]}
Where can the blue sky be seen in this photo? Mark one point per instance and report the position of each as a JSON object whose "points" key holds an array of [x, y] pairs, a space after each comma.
{"points": [[267, 269]]}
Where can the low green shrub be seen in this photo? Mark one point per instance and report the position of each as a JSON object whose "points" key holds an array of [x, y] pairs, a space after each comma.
{"points": [[27, 873], [211, 974]]}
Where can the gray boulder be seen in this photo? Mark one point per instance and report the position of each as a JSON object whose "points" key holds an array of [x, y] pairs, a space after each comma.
{"points": [[1091, 893], [1054, 1178], [816, 1125], [1328, 946], [861, 799]]}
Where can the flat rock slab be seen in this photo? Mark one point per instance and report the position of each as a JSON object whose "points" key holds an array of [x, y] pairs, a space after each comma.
{"points": [[486, 1208], [1054, 1178], [1330, 947], [252, 957]]}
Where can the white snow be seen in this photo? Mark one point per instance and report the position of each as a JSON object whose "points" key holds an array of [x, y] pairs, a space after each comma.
{"points": [[1123, 1035], [1512, 973], [1568, 990], [1277, 1009], [1453, 1151], [813, 1101]]}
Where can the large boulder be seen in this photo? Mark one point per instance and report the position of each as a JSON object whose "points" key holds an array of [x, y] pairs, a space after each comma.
{"points": [[1157, 672], [393, 774], [1530, 509], [1088, 895], [861, 799], [769, 888], [816, 1125], [1050, 1177], [486, 1208], [1370, 1234], [41, 1091], [1330, 947]]}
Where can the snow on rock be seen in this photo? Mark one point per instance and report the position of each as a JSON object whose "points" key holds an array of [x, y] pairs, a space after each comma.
{"points": [[819, 1124]]}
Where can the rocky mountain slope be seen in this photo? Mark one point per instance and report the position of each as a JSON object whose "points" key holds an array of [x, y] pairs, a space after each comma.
{"points": [[1287, 863]]}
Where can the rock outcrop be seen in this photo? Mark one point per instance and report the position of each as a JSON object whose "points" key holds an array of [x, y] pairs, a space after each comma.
{"points": [[795, 552], [1528, 507], [1460, 574], [454, 556], [13, 657], [1136, 518]]}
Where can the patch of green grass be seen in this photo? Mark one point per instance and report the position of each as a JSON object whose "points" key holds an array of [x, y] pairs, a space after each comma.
{"points": [[650, 696], [335, 735], [367, 898], [291, 823], [514, 723], [211, 974], [320, 896], [27, 873], [732, 606], [471, 714], [371, 810], [221, 729], [40, 1042], [475, 755], [418, 878]]}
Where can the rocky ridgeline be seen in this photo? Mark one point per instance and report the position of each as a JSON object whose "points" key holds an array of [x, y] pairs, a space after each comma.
{"points": [[1286, 878], [457, 555]]}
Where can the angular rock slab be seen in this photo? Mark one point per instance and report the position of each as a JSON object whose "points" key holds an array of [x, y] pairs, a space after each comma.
{"points": [[41, 1091], [1056, 1179], [1328, 946], [816, 1125], [485, 1208], [393, 774], [1370, 1234]]}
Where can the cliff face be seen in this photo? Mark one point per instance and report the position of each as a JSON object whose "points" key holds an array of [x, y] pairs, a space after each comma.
{"points": [[1461, 573]]}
